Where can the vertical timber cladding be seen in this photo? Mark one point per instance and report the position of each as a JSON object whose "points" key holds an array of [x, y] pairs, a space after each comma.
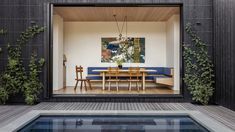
{"points": [[224, 39], [16, 15]]}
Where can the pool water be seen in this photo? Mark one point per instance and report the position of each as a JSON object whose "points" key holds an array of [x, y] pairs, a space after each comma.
{"points": [[114, 124]]}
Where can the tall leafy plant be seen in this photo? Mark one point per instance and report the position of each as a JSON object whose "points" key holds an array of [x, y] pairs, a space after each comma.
{"points": [[198, 68], [15, 76]]}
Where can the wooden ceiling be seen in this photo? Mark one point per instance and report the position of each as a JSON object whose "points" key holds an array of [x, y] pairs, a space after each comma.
{"points": [[106, 13]]}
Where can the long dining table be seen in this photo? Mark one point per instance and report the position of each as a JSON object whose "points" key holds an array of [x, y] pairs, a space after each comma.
{"points": [[124, 72]]}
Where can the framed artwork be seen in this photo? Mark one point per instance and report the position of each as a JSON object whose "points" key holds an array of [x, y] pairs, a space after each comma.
{"points": [[131, 51]]}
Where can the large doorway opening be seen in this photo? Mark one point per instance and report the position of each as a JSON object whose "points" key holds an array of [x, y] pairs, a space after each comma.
{"points": [[90, 37]]}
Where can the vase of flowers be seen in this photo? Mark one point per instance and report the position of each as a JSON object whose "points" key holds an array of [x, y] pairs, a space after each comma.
{"points": [[120, 66], [119, 63]]}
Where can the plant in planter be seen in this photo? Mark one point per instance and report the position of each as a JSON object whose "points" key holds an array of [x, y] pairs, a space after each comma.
{"points": [[198, 75], [15, 76]]}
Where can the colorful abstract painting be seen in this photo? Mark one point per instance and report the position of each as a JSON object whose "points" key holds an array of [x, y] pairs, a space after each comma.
{"points": [[132, 51]]}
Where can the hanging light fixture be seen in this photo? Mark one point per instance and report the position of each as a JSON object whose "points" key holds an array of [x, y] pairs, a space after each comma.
{"points": [[121, 39]]}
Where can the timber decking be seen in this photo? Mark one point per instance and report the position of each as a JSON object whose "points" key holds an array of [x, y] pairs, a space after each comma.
{"points": [[9, 113]]}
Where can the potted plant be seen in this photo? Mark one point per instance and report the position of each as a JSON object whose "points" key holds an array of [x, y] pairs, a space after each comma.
{"points": [[199, 74]]}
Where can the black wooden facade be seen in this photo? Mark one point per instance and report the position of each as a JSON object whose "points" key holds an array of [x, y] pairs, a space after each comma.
{"points": [[214, 27], [224, 52]]}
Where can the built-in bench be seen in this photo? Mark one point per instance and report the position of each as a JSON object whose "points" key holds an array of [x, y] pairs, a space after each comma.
{"points": [[163, 75], [167, 78]]}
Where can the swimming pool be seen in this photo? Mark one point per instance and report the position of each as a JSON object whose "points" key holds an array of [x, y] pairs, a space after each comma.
{"points": [[133, 123], [114, 120]]}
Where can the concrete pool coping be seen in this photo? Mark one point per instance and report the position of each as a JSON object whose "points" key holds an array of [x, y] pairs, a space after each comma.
{"points": [[205, 121]]}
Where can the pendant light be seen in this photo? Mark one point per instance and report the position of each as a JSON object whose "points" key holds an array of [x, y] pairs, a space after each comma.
{"points": [[121, 39]]}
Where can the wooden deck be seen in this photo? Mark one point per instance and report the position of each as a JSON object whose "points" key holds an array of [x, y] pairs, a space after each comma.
{"points": [[227, 117]]}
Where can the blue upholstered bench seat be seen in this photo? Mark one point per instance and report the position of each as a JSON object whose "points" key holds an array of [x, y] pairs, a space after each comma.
{"points": [[94, 77], [157, 76], [161, 72]]}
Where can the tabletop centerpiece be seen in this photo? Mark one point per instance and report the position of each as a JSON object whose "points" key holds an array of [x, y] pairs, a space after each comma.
{"points": [[119, 62]]}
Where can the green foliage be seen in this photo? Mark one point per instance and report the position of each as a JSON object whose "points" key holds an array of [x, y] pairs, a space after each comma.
{"points": [[14, 77], [3, 92], [30, 33], [2, 31], [198, 69], [33, 85], [3, 95]]}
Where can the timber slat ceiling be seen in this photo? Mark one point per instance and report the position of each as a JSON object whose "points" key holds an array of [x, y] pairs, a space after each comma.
{"points": [[106, 13]]}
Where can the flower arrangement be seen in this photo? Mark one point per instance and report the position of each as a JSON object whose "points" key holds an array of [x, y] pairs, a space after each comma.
{"points": [[119, 61]]}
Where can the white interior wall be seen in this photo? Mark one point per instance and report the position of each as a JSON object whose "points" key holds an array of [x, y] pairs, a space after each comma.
{"points": [[82, 44], [173, 47], [58, 52], [170, 42], [177, 52]]}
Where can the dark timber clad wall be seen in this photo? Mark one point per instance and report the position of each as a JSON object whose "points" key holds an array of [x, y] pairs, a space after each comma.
{"points": [[224, 32], [16, 15]]}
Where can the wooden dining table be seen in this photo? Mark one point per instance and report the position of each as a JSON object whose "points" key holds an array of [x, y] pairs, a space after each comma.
{"points": [[124, 72]]}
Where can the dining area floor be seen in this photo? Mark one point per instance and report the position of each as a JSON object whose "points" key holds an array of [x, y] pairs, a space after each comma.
{"points": [[121, 90]]}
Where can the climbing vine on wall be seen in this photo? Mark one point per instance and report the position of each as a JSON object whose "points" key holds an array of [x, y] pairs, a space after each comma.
{"points": [[3, 92], [199, 73], [33, 85], [15, 77]]}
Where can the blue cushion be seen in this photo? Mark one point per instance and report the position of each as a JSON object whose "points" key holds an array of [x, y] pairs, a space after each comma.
{"points": [[94, 77], [159, 70], [149, 78], [162, 72], [90, 70], [167, 71]]}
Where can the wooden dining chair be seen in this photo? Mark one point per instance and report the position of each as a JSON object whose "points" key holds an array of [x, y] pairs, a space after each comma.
{"points": [[112, 75], [134, 77], [79, 78]]}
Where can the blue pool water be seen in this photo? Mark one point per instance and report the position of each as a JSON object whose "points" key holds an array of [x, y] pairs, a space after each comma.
{"points": [[114, 124]]}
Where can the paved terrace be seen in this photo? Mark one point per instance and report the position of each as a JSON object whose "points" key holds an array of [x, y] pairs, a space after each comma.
{"points": [[9, 113]]}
